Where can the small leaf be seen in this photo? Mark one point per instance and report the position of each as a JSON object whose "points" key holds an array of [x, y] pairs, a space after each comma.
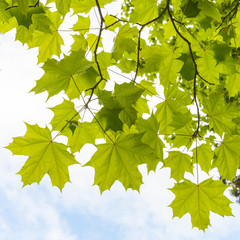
{"points": [[179, 163], [227, 157], [203, 155], [63, 113]]}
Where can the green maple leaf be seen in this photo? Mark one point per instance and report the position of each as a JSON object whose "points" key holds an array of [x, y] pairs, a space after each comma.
{"points": [[62, 5], [173, 105], [23, 34], [170, 66], [199, 200], [42, 22], [203, 155], [63, 113], [79, 43], [23, 15], [179, 164], [124, 41], [81, 82], [84, 6], [227, 157], [233, 84], [127, 93], [209, 10], [59, 74], [220, 114], [153, 56], [84, 133], [162, 59], [105, 60], [82, 25], [128, 115], [49, 43], [190, 9], [144, 11], [207, 66], [109, 119], [4, 15], [150, 128], [108, 116], [45, 157], [120, 161], [23, 6], [119, 106]]}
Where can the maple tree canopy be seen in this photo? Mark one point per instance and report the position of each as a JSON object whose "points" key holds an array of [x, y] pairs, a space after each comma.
{"points": [[181, 55]]}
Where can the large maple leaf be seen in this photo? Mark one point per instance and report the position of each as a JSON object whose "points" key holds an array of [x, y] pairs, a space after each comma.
{"points": [[199, 200], [45, 156], [120, 161]]}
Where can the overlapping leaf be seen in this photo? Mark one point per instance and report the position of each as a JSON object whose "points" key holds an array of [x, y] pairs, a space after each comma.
{"points": [[150, 128], [179, 163], [220, 114], [191, 39], [119, 160], [59, 74], [227, 157]]}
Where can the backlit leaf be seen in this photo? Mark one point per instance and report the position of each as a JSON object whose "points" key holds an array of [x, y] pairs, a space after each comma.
{"points": [[199, 200], [45, 157], [120, 161]]}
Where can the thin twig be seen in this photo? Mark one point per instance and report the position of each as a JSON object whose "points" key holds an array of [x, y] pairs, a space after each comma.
{"points": [[139, 40], [196, 133], [234, 11]]}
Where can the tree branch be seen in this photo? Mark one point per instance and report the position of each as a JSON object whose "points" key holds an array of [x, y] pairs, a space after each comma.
{"points": [[196, 133], [234, 11], [139, 40]]}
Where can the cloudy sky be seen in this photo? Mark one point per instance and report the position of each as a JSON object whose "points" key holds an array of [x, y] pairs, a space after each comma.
{"points": [[79, 212]]}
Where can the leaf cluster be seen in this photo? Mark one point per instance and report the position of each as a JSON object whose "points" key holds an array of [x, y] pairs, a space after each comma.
{"points": [[181, 55]]}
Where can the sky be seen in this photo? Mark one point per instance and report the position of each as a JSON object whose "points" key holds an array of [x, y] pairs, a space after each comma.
{"points": [[79, 212]]}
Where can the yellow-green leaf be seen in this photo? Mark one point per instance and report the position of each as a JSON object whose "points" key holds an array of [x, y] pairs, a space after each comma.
{"points": [[45, 157], [199, 200]]}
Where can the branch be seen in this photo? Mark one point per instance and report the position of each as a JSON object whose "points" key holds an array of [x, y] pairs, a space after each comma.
{"points": [[99, 70], [234, 11], [139, 39], [196, 133]]}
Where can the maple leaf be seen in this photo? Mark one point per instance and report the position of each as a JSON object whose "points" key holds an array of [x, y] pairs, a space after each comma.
{"points": [[144, 11], [220, 114], [199, 200], [84, 133], [61, 5], [45, 157], [150, 129], [49, 43], [63, 113], [188, 50], [59, 74], [179, 163], [203, 155], [120, 161], [227, 157]]}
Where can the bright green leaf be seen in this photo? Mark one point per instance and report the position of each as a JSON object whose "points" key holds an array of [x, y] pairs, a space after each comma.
{"points": [[199, 200], [45, 157], [179, 163], [120, 161]]}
